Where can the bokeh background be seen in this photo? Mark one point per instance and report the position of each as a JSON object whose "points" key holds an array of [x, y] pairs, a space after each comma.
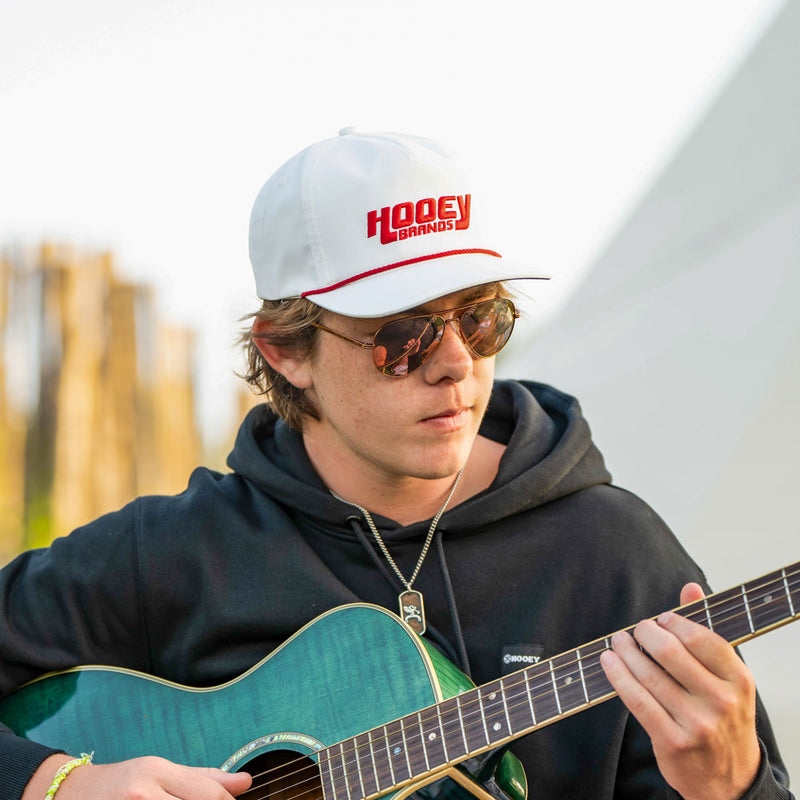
{"points": [[646, 153]]}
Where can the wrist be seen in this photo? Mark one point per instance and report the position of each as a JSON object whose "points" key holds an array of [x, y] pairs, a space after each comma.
{"points": [[42, 780], [63, 772]]}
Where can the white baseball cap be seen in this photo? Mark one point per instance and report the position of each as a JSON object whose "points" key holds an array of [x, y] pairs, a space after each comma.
{"points": [[368, 224]]}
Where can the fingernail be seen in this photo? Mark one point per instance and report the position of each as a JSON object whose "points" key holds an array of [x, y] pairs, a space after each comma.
{"points": [[665, 618]]}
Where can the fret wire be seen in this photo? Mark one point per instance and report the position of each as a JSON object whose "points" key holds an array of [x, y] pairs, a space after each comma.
{"points": [[747, 609], [344, 771], [441, 734], [483, 717], [710, 625], [356, 749], [389, 755], [453, 733], [373, 759], [332, 769], [331, 773], [788, 593], [422, 740], [583, 679], [478, 721], [530, 698], [505, 707], [405, 747], [555, 688], [331, 795], [462, 726]]}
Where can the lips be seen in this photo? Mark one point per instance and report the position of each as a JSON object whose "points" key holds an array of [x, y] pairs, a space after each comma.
{"points": [[449, 417]]}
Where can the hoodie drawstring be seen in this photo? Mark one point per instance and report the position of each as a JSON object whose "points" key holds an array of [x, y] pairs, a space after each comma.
{"points": [[451, 603], [459, 658]]}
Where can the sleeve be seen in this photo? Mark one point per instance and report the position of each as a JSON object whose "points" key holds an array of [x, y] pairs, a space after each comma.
{"points": [[638, 777], [19, 759], [73, 603]]}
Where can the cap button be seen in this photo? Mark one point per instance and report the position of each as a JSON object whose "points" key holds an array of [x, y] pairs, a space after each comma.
{"points": [[348, 130]]}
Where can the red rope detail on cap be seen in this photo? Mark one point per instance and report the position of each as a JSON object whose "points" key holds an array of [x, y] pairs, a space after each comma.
{"points": [[378, 270]]}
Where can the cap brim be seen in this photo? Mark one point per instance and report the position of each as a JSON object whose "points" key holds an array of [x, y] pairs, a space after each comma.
{"points": [[411, 285]]}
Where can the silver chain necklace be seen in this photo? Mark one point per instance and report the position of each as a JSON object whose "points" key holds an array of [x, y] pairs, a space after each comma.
{"points": [[412, 607]]}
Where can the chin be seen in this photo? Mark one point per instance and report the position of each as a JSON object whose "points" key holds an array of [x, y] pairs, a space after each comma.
{"points": [[444, 469]]}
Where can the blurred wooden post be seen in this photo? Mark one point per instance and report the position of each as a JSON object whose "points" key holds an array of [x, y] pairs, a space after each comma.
{"points": [[41, 424], [12, 440], [176, 437], [79, 411], [114, 475]]}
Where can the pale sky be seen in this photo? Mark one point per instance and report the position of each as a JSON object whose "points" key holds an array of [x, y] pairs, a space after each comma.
{"points": [[147, 128]]}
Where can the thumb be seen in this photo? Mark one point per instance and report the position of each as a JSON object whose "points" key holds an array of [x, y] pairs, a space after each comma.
{"points": [[233, 782], [691, 592]]}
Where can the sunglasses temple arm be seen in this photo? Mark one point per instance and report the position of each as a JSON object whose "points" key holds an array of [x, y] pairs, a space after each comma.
{"points": [[362, 345]]}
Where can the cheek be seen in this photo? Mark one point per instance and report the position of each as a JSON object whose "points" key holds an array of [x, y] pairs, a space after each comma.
{"points": [[483, 372], [342, 385]]}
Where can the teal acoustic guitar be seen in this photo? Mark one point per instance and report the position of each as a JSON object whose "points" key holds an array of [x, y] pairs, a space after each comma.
{"points": [[355, 706]]}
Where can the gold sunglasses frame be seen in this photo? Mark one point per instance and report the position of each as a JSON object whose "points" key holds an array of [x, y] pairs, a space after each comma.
{"points": [[430, 317]]}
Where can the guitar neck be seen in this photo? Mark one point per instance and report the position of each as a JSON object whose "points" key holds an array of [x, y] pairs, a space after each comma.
{"points": [[409, 748]]}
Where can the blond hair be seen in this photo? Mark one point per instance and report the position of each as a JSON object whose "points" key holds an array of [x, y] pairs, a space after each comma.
{"points": [[291, 327]]}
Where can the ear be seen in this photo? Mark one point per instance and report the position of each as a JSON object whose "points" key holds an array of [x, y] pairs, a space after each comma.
{"points": [[296, 369]]}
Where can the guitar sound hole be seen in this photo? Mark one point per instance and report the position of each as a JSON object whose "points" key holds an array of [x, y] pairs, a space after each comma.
{"points": [[283, 775]]}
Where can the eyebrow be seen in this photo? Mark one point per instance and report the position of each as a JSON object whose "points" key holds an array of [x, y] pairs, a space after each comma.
{"points": [[473, 293]]}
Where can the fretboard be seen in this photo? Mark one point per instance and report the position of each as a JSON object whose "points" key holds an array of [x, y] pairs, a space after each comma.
{"points": [[407, 749]]}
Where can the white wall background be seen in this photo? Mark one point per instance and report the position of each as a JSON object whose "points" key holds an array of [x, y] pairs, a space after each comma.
{"points": [[683, 344]]}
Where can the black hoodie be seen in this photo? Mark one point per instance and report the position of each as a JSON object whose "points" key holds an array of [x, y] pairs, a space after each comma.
{"points": [[198, 587]]}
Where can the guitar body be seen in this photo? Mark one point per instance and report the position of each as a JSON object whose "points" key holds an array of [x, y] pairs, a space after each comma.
{"points": [[349, 671]]}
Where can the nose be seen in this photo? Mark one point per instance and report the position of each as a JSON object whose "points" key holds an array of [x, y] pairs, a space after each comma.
{"points": [[451, 358]]}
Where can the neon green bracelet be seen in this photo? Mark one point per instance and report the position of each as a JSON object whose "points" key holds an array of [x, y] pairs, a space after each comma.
{"points": [[64, 771]]}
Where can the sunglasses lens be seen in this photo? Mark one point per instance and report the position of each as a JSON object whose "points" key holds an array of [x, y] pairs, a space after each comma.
{"points": [[488, 326], [404, 345]]}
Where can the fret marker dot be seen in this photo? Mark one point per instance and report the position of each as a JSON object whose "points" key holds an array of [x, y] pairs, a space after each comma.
{"points": [[396, 750], [496, 726], [431, 737], [493, 695], [568, 680], [768, 598]]}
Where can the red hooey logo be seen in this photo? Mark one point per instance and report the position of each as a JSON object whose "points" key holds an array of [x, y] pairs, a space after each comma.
{"points": [[429, 215]]}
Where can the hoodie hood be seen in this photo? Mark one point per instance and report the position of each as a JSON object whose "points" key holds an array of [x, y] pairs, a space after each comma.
{"points": [[549, 454]]}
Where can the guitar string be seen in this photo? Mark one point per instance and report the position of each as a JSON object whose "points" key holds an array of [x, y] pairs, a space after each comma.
{"points": [[492, 716], [778, 582]]}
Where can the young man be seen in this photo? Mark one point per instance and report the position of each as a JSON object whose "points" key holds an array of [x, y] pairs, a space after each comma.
{"points": [[392, 469]]}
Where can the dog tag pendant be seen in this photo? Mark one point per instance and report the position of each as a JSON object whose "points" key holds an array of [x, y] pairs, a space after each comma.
{"points": [[412, 610]]}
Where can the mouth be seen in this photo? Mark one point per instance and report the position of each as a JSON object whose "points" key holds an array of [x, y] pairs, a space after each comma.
{"points": [[448, 419]]}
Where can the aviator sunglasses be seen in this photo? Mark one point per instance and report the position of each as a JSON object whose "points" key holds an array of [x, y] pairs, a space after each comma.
{"points": [[403, 345]]}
